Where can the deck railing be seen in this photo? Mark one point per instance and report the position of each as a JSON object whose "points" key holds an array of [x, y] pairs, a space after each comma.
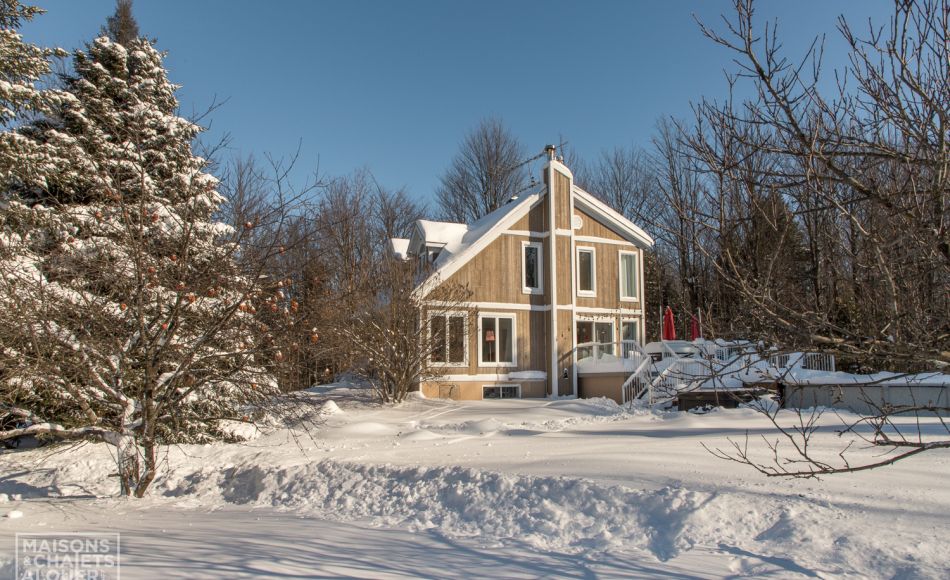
{"points": [[597, 350], [661, 380], [815, 361]]}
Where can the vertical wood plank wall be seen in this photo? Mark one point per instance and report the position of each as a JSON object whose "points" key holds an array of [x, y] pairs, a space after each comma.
{"points": [[494, 276]]}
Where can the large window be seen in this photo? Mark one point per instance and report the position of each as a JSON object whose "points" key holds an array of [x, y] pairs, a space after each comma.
{"points": [[497, 339], [628, 276], [586, 272], [531, 268], [449, 336], [589, 331]]}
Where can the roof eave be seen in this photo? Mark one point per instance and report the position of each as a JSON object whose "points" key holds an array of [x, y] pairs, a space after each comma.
{"points": [[443, 273], [633, 232]]}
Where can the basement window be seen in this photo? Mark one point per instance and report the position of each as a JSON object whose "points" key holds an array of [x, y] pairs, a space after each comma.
{"points": [[501, 392]]}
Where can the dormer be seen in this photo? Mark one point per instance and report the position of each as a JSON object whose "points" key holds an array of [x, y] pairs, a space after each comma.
{"points": [[430, 239]]}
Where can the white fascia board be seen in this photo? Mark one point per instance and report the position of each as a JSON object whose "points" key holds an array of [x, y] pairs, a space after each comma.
{"points": [[446, 271], [561, 168], [612, 217]]}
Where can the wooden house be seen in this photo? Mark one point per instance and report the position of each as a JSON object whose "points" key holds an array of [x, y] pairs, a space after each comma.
{"points": [[554, 278]]}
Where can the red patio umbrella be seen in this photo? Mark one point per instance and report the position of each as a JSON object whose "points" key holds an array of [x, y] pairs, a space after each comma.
{"points": [[669, 325], [695, 331]]}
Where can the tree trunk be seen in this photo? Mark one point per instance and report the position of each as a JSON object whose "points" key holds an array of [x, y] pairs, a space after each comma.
{"points": [[128, 461], [151, 466]]}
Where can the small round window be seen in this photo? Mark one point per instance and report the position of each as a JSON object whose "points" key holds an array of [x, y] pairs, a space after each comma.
{"points": [[577, 222]]}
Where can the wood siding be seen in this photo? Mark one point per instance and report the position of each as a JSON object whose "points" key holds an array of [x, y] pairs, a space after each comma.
{"points": [[592, 227], [472, 390], [494, 274], [565, 347], [530, 330], [564, 270], [536, 220], [608, 276]]}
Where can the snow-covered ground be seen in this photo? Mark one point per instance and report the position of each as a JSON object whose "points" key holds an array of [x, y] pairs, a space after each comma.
{"points": [[563, 488]]}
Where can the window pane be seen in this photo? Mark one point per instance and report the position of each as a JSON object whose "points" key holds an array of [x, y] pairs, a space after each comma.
{"points": [[437, 332], [628, 273], [500, 392], [585, 332], [530, 266], [605, 336], [505, 332], [489, 340], [629, 330], [585, 271], [456, 339]]}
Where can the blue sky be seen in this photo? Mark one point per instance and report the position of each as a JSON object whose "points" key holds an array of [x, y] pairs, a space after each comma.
{"points": [[394, 86]]}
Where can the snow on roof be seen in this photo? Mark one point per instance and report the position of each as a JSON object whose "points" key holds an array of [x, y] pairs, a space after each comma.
{"points": [[440, 233], [462, 241], [459, 241], [399, 247]]}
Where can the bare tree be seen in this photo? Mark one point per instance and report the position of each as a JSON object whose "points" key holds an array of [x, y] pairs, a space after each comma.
{"points": [[394, 213], [875, 154], [394, 338], [486, 171], [852, 187], [291, 251], [796, 450], [623, 178]]}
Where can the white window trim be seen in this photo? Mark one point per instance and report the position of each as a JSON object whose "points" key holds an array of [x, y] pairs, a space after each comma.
{"points": [[636, 277], [596, 320], [540, 263], [514, 339], [517, 386], [465, 343], [593, 271], [636, 324]]}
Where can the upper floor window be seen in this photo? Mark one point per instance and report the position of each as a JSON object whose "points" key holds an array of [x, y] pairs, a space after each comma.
{"points": [[449, 339], [628, 276], [586, 272], [497, 336], [531, 268]]}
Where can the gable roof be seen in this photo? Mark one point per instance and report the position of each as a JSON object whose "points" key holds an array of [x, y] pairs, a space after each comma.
{"points": [[613, 218], [460, 242]]}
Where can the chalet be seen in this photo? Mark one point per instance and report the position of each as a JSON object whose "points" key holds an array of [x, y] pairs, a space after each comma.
{"points": [[555, 278]]}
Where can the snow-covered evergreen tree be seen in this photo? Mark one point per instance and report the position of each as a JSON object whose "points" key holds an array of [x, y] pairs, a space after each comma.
{"points": [[21, 64], [127, 318]]}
